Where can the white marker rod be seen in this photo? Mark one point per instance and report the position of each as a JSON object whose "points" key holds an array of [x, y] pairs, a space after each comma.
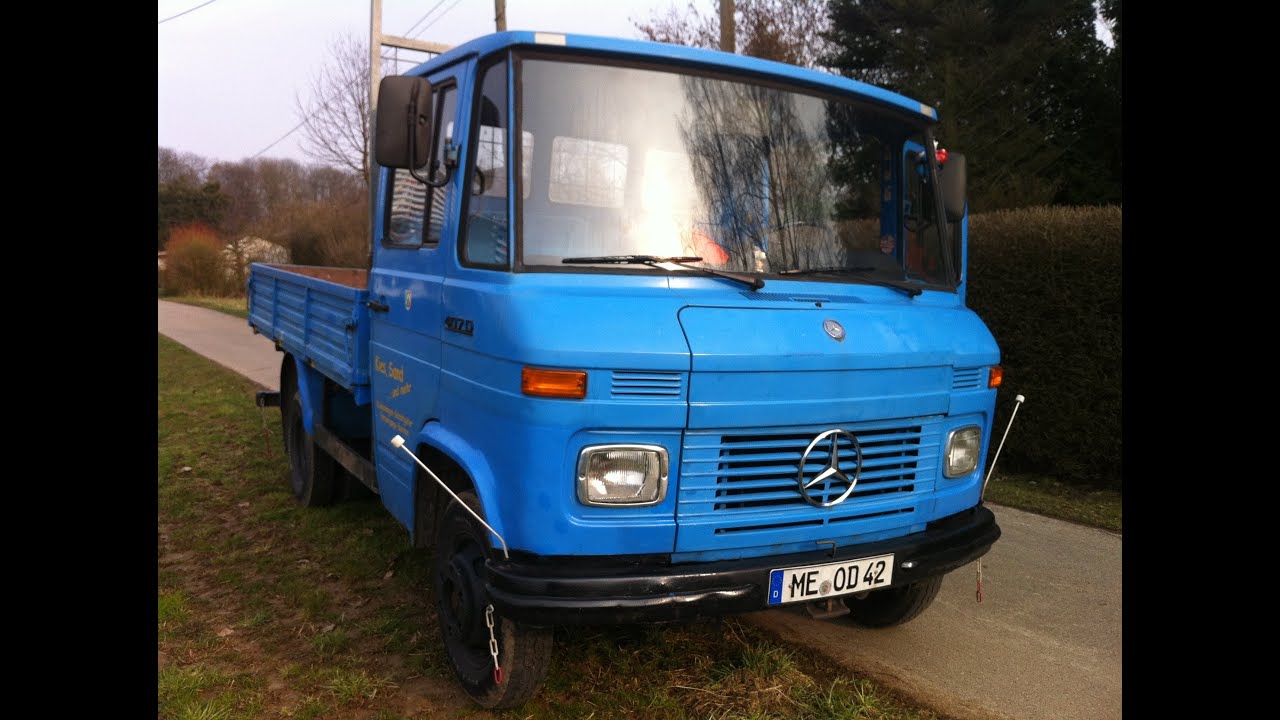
{"points": [[398, 441], [1019, 400]]}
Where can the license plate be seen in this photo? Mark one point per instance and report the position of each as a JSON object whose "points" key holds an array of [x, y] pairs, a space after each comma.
{"points": [[816, 582]]}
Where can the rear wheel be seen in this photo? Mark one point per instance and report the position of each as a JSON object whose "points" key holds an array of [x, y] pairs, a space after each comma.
{"points": [[312, 473], [895, 605], [524, 652]]}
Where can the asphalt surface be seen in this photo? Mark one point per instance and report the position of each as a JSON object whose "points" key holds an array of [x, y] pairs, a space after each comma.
{"points": [[225, 339], [1044, 643]]}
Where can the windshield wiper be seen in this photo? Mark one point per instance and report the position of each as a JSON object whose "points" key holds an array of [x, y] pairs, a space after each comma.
{"points": [[816, 271], [908, 289], [653, 260]]}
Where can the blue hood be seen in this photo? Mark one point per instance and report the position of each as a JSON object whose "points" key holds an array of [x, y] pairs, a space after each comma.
{"points": [[772, 363]]}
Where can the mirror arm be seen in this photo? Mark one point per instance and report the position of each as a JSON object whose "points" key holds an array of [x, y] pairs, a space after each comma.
{"points": [[448, 175], [450, 163], [413, 146]]}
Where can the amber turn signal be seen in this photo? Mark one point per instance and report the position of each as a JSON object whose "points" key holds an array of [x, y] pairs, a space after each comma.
{"points": [[997, 376], [554, 383]]}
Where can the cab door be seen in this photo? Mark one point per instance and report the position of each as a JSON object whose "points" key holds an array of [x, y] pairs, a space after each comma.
{"points": [[414, 234]]}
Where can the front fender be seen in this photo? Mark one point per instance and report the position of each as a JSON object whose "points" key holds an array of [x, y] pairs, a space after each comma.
{"points": [[473, 463]]}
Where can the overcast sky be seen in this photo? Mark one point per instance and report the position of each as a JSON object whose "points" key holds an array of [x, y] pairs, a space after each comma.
{"points": [[228, 72]]}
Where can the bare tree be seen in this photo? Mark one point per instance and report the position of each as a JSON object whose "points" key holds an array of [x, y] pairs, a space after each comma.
{"points": [[789, 31], [239, 181], [691, 28], [335, 121], [175, 166]]}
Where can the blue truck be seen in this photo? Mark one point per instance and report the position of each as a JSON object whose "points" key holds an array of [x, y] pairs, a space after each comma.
{"points": [[707, 352]]}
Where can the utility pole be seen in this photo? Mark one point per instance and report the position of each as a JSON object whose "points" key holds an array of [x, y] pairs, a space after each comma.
{"points": [[375, 72], [726, 26], [377, 41], [500, 15]]}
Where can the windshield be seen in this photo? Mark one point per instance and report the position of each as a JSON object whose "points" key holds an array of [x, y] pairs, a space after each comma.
{"points": [[750, 178]]}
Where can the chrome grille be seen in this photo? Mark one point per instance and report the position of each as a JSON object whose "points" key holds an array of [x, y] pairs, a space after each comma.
{"points": [[734, 484]]}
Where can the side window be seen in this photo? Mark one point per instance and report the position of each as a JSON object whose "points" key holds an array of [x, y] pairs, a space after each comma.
{"points": [[921, 247], [920, 242], [440, 198], [410, 203], [406, 209], [488, 236]]}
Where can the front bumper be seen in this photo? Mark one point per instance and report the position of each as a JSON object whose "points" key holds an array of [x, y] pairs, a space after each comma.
{"points": [[599, 590]]}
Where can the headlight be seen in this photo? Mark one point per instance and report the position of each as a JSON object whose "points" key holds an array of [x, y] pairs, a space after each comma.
{"points": [[963, 446], [622, 474]]}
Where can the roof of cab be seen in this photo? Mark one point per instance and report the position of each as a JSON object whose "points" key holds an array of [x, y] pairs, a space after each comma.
{"points": [[707, 59]]}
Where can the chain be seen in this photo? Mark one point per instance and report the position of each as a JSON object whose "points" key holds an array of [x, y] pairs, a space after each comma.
{"points": [[979, 579], [493, 645]]}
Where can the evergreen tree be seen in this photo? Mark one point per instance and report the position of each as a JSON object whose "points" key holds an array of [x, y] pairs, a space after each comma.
{"points": [[1022, 87], [181, 203]]}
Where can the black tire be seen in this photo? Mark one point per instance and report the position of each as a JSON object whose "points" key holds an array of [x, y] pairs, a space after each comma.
{"points": [[312, 472], [524, 652], [288, 384], [895, 605]]}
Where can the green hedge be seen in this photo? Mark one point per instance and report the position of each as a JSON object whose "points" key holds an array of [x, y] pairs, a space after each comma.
{"points": [[1047, 282]]}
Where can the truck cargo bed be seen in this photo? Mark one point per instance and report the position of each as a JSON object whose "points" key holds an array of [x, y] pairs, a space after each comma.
{"points": [[316, 313]]}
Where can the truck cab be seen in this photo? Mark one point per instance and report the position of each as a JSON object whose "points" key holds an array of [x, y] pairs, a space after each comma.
{"points": [[687, 331]]}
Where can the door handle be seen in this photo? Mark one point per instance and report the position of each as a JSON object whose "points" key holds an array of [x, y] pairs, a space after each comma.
{"points": [[377, 306]]}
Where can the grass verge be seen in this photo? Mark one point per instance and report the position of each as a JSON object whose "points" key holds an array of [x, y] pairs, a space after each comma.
{"points": [[1046, 496], [236, 306]]}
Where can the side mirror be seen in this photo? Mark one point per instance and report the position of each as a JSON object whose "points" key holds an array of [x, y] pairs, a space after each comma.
{"points": [[952, 177], [402, 137]]}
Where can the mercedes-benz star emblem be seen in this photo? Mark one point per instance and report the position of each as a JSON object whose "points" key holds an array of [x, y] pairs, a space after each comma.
{"points": [[832, 473], [834, 329]]}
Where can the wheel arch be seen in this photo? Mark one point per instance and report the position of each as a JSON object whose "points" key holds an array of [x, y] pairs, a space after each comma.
{"points": [[310, 384], [462, 468]]}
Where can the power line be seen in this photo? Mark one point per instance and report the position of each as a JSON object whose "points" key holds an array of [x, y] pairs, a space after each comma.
{"points": [[325, 104], [184, 12], [441, 15], [278, 140], [298, 127], [424, 17]]}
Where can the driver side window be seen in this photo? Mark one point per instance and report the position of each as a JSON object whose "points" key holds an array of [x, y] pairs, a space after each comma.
{"points": [[413, 207], [488, 237]]}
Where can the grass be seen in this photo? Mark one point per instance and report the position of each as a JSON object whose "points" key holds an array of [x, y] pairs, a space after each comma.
{"points": [[268, 610], [1046, 496], [1034, 493], [348, 686], [237, 306]]}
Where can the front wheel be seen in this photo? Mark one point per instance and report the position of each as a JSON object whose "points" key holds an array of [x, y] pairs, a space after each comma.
{"points": [[895, 605], [524, 652]]}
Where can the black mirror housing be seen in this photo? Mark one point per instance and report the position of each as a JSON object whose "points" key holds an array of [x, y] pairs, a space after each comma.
{"points": [[952, 177], [402, 136]]}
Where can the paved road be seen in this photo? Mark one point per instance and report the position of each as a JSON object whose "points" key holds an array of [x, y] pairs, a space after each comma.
{"points": [[1044, 644], [225, 339]]}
